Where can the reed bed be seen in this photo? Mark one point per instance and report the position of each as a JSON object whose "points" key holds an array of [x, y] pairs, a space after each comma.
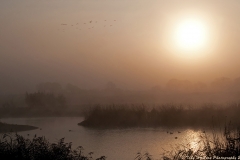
{"points": [[163, 116]]}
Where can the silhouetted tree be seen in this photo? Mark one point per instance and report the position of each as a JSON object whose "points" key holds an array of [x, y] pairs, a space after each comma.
{"points": [[110, 86], [237, 84], [49, 87], [156, 88], [70, 88], [221, 83], [175, 84], [41, 100], [200, 86]]}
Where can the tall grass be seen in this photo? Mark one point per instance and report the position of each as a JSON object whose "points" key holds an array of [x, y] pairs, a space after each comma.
{"points": [[164, 115], [16, 147]]}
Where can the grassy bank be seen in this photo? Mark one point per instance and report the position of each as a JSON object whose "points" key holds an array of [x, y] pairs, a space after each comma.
{"points": [[164, 115], [4, 128]]}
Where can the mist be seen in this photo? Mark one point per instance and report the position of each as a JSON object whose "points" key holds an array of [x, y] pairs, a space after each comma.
{"points": [[95, 47], [119, 77]]}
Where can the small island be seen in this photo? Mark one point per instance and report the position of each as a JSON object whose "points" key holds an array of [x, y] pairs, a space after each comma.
{"points": [[162, 116], [4, 127]]}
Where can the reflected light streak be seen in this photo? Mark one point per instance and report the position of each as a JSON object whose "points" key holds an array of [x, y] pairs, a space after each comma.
{"points": [[193, 139]]}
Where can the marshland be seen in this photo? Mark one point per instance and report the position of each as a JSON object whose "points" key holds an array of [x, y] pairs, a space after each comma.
{"points": [[115, 79], [208, 115], [123, 130]]}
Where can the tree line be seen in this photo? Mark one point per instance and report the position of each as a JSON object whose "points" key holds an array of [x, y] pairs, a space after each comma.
{"points": [[44, 100]]}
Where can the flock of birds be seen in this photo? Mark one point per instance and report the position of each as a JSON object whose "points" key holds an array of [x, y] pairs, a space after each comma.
{"points": [[179, 132], [89, 25], [41, 129], [172, 133], [167, 132]]}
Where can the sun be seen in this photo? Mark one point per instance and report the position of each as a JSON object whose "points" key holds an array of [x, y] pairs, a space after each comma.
{"points": [[191, 35]]}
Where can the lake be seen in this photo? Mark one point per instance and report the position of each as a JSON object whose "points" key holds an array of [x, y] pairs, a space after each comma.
{"points": [[112, 143]]}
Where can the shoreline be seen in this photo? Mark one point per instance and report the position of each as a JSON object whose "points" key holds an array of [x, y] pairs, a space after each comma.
{"points": [[6, 128]]}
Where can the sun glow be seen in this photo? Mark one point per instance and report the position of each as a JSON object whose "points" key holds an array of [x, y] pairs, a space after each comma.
{"points": [[191, 35]]}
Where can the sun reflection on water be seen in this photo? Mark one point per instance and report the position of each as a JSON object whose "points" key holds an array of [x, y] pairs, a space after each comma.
{"points": [[193, 139]]}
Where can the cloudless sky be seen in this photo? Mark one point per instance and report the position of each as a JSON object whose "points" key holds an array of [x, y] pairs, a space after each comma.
{"points": [[128, 42]]}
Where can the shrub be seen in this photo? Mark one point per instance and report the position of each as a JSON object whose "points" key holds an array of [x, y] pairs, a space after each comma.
{"points": [[16, 147]]}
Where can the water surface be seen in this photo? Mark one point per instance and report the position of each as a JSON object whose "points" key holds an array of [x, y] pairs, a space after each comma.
{"points": [[112, 143]]}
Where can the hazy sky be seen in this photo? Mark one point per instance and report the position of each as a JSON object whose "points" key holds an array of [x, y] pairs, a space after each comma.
{"points": [[129, 42]]}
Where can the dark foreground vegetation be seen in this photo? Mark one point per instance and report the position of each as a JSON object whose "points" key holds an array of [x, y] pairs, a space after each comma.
{"points": [[16, 147], [14, 128], [164, 116]]}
